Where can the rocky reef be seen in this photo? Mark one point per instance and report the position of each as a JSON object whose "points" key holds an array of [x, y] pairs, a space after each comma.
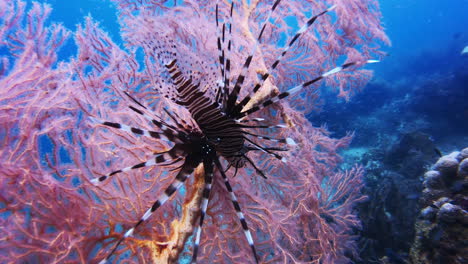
{"points": [[441, 228], [394, 186]]}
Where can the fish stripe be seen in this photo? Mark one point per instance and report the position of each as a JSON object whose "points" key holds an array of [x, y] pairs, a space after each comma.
{"points": [[172, 133], [237, 87], [114, 125], [220, 54], [176, 184], [171, 155], [208, 166], [236, 205], [209, 118], [298, 88], [166, 135], [265, 76]]}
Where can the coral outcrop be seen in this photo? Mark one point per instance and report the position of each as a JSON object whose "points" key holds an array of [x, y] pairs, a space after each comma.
{"points": [[441, 233], [394, 186]]}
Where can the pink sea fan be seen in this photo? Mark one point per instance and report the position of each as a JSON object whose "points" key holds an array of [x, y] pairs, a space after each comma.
{"points": [[49, 151]]}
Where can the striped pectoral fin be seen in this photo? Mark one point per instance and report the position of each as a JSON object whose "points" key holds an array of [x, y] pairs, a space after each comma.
{"points": [[183, 174], [255, 119], [227, 64], [288, 141], [237, 207], [166, 135], [275, 64], [259, 171], [266, 150], [219, 41], [159, 123], [240, 79], [261, 126], [135, 100], [180, 122], [160, 159], [170, 132], [298, 88], [224, 56], [208, 166], [263, 149]]}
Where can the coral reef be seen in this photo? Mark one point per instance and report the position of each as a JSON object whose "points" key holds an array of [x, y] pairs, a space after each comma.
{"points": [[441, 232], [393, 184], [50, 213]]}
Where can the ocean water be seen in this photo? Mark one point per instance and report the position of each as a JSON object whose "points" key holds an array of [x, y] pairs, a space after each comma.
{"points": [[427, 40], [414, 109]]}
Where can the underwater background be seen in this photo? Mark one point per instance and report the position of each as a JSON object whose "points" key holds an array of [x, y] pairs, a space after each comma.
{"points": [[412, 114], [419, 86]]}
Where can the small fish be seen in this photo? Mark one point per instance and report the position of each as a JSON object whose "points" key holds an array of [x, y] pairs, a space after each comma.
{"points": [[464, 51]]}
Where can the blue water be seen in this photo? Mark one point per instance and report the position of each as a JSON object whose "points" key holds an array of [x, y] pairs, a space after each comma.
{"points": [[420, 86], [427, 38], [418, 27], [415, 27], [72, 13]]}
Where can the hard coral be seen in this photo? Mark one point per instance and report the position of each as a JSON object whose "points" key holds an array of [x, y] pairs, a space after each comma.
{"points": [[441, 232]]}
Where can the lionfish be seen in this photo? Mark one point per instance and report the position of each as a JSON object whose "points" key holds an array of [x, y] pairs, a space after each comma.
{"points": [[221, 127]]}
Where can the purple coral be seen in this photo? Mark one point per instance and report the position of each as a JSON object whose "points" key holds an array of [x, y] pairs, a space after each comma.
{"points": [[49, 151]]}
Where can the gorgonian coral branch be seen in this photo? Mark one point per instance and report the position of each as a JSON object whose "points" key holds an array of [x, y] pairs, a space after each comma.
{"points": [[49, 150]]}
